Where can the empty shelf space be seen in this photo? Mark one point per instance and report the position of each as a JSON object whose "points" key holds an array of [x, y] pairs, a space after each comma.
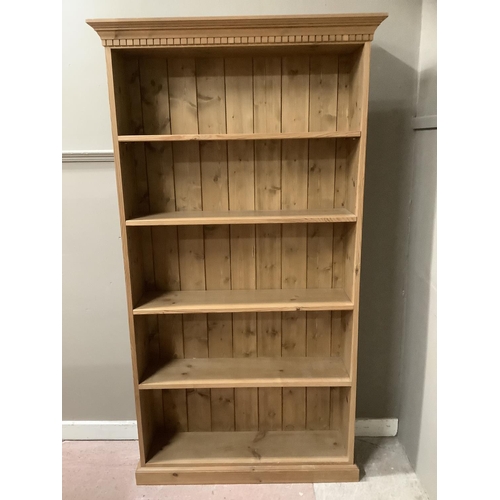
{"points": [[249, 372], [214, 301], [237, 137], [243, 217], [251, 448]]}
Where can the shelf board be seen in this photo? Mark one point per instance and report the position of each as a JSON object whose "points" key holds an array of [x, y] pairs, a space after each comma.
{"points": [[217, 301], [251, 448], [238, 137], [243, 217], [249, 372]]}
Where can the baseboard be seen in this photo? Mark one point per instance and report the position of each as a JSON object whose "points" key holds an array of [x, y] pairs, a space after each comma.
{"points": [[96, 430], [376, 427], [124, 430]]}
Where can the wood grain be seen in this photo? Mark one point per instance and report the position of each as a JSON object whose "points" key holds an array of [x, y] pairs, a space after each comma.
{"points": [[208, 217], [187, 175], [248, 372], [321, 189], [239, 119], [294, 119], [247, 474], [267, 119], [279, 447], [237, 137], [243, 301], [213, 157], [240, 178]]}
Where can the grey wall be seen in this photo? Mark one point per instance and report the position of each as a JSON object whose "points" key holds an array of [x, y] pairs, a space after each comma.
{"points": [[417, 425], [96, 363]]}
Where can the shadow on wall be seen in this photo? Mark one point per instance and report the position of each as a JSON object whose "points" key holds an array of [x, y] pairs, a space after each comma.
{"points": [[385, 234], [418, 382]]}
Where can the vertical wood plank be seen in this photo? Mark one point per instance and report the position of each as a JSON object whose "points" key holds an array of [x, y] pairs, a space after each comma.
{"points": [[356, 91], [172, 347], [133, 161], [196, 346], [341, 165], [340, 412], [318, 343], [321, 189], [221, 346], [294, 344], [336, 409], [294, 164], [160, 173], [343, 346], [213, 158], [239, 118], [323, 92], [175, 410], [351, 183], [147, 351], [184, 119], [155, 97], [267, 118], [127, 95], [343, 100], [337, 333]]}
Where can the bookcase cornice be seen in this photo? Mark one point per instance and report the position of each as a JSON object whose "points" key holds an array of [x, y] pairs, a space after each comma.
{"points": [[220, 31]]}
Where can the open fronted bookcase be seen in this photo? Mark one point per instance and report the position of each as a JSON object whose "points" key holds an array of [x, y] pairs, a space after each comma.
{"points": [[240, 154]]}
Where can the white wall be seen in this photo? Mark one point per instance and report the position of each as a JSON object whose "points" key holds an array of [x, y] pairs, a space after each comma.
{"points": [[96, 360], [417, 426]]}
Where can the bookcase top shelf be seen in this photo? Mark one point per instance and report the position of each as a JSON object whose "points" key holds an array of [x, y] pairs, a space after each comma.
{"points": [[217, 31]]}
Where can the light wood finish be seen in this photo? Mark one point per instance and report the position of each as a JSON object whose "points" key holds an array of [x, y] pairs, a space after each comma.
{"points": [[248, 372], [225, 31], [361, 76], [251, 474], [213, 163], [236, 137], [217, 301], [145, 426], [241, 171], [251, 448], [207, 218], [267, 112], [239, 152]]}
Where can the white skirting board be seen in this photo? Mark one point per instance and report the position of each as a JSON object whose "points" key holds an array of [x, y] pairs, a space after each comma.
{"points": [[121, 430]]}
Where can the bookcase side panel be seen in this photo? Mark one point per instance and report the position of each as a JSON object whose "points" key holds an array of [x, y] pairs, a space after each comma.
{"points": [[360, 77], [115, 105]]}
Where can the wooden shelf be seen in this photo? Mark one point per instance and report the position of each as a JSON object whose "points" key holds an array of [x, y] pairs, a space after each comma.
{"points": [[216, 301], [237, 137], [243, 217], [251, 448], [249, 372]]}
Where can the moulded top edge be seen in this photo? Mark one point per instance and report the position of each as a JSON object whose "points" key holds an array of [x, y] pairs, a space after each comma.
{"points": [[294, 21]]}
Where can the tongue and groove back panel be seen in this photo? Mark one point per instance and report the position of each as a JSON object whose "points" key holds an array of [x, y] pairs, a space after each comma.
{"points": [[242, 95]]}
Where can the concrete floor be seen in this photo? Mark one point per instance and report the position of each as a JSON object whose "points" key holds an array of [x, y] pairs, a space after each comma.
{"points": [[104, 470]]}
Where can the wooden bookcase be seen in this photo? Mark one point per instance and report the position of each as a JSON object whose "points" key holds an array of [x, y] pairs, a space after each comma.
{"points": [[240, 154]]}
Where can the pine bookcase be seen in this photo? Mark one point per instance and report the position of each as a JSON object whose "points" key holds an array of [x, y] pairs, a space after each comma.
{"points": [[240, 153]]}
